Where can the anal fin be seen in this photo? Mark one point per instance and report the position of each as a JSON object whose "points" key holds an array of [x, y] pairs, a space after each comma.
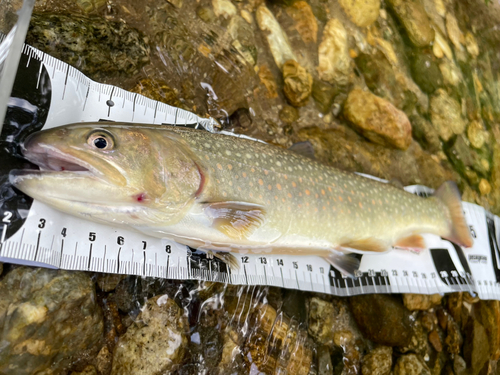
{"points": [[343, 262], [414, 242], [226, 257], [366, 244]]}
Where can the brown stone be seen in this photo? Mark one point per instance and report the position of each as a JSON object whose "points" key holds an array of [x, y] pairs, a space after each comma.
{"points": [[411, 364], [435, 341], [377, 119], [488, 313], [412, 15], [421, 301], [362, 12], [298, 83], [476, 347], [383, 319], [305, 21], [378, 361]]}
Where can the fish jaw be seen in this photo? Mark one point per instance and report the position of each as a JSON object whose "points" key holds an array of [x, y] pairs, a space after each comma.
{"points": [[80, 194]]}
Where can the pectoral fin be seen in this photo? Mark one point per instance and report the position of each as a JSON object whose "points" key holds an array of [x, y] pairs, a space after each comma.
{"points": [[366, 244], [235, 219]]}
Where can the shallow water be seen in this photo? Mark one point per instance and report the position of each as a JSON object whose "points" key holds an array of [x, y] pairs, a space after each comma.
{"points": [[432, 64]]}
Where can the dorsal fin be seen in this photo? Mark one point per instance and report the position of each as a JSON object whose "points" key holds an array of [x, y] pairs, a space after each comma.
{"points": [[235, 219]]}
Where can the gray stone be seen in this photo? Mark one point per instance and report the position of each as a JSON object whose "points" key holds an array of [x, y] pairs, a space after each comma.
{"points": [[47, 318], [155, 342], [446, 115]]}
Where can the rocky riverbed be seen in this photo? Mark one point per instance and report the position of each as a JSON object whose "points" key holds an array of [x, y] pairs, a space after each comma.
{"points": [[399, 89]]}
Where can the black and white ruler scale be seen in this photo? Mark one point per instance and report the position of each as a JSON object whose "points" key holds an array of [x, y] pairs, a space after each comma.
{"points": [[49, 93]]}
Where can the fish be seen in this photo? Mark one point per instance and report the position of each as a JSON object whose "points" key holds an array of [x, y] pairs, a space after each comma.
{"points": [[226, 195]]}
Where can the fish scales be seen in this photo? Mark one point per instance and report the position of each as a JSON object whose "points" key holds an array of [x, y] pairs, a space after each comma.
{"points": [[304, 197], [227, 194]]}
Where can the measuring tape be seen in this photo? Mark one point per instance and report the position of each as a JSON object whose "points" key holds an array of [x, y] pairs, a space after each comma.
{"points": [[49, 93]]}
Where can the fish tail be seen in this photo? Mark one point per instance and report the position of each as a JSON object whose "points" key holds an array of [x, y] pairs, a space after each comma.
{"points": [[459, 232]]}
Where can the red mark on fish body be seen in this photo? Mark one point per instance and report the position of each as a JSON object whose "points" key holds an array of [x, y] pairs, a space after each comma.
{"points": [[63, 169], [140, 197]]}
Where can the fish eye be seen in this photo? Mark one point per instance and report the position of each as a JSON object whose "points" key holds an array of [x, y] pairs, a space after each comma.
{"points": [[100, 140]]}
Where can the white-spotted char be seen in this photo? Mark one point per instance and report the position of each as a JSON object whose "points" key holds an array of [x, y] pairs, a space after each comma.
{"points": [[224, 193]]}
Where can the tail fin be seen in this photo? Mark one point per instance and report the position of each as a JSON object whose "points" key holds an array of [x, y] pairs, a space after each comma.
{"points": [[449, 194]]}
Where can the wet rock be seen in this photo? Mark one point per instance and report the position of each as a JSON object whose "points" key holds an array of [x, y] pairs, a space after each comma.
{"points": [[97, 47], [421, 301], [471, 44], [362, 12], [104, 361], [453, 30], [476, 347], [378, 361], [325, 318], [224, 8], [441, 48], [155, 342], [426, 73], [411, 364], [446, 115], [298, 83], [488, 313], [343, 148], [333, 54], [48, 319], [89, 370], [453, 338], [377, 119], [477, 134], [425, 134], [387, 82], [231, 353], [325, 366], [305, 21], [276, 37], [412, 15], [382, 318], [435, 341], [418, 342], [108, 281], [176, 3], [321, 321], [243, 39], [465, 159], [289, 114], [286, 350], [452, 75], [459, 365], [484, 187], [323, 94], [267, 79], [351, 356], [206, 14], [160, 91]]}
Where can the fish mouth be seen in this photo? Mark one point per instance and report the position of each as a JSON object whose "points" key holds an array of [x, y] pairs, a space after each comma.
{"points": [[50, 159]]}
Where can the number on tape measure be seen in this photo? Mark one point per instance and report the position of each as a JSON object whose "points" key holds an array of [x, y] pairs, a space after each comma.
{"points": [[7, 215]]}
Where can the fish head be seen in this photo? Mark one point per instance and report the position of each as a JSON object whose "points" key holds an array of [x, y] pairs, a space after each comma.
{"points": [[119, 174]]}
